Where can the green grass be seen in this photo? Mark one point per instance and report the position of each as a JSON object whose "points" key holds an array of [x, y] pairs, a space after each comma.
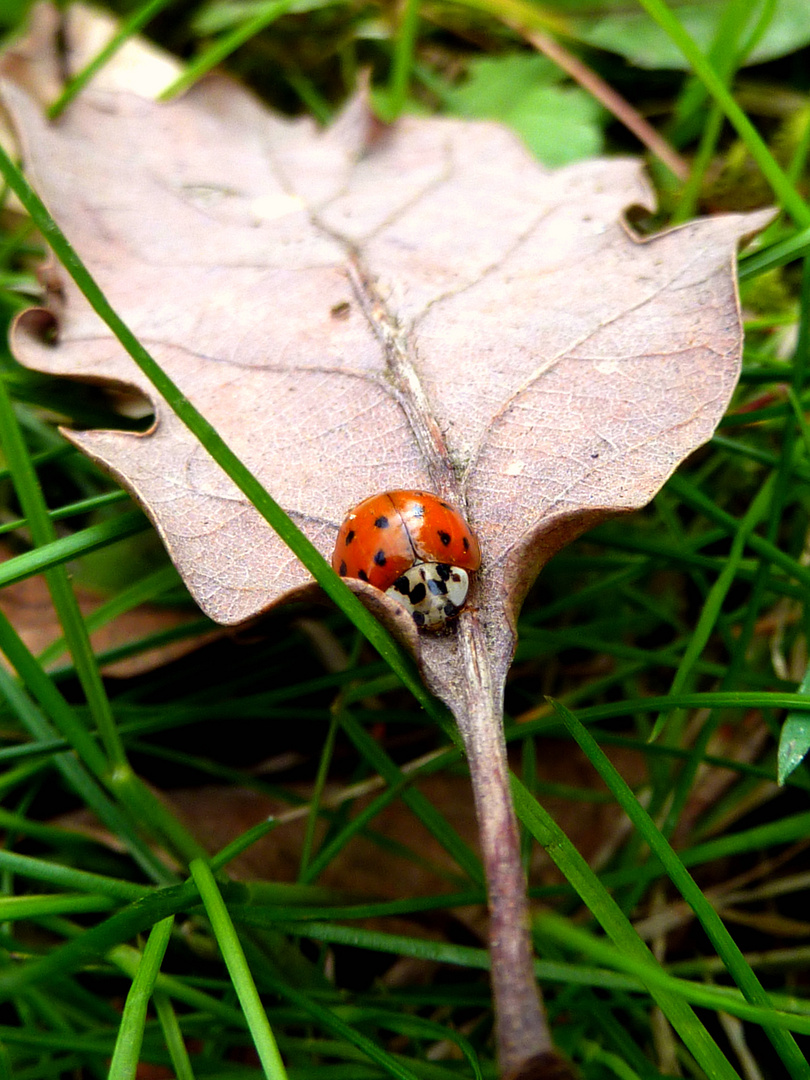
{"points": [[674, 646]]}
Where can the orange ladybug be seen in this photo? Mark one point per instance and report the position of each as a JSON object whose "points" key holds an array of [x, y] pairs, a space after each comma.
{"points": [[413, 546]]}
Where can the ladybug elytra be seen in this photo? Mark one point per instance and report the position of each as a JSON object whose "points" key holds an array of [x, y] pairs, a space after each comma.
{"points": [[413, 546]]}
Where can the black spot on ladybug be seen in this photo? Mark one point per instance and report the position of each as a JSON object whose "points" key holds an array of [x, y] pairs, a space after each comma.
{"points": [[349, 536], [379, 558], [466, 543], [445, 537], [418, 593], [443, 570], [438, 588], [362, 575], [342, 570], [419, 618], [401, 585], [451, 609], [381, 522]]}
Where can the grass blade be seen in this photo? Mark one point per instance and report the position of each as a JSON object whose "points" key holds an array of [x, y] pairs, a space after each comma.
{"points": [[618, 927], [239, 972], [126, 1056], [738, 968]]}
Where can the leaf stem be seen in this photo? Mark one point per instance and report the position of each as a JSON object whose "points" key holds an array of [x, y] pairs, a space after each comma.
{"points": [[522, 1035]]}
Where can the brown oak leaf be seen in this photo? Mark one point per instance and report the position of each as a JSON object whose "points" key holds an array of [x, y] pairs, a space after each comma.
{"points": [[358, 310], [366, 308]]}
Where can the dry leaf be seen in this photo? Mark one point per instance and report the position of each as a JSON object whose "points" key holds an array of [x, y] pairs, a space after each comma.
{"points": [[430, 309], [507, 341], [367, 308], [28, 606], [217, 815], [34, 63]]}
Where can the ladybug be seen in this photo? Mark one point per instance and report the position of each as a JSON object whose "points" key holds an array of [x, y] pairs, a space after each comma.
{"points": [[413, 546]]}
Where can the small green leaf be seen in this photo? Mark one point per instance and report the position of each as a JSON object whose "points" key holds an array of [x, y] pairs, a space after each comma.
{"points": [[794, 742], [631, 33], [559, 124]]}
